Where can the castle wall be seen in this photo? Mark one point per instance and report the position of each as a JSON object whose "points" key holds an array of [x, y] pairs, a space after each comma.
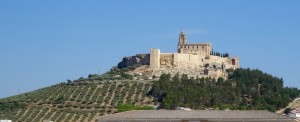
{"points": [[188, 60], [196, 61], [193, 65], [166, 60], [166, 55], [219, 61], [181, 60]]}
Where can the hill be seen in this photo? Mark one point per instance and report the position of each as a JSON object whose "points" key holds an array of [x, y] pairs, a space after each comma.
{"points": [[88, 98]]}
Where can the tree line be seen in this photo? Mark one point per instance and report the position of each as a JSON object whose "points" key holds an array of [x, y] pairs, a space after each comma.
{"points": [[245, 89]]}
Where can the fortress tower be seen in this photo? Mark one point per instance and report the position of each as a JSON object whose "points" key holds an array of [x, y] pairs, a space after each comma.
{"points": [[155, 58]]}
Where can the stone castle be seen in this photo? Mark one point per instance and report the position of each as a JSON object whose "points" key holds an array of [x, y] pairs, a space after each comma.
{"points": [[195, 60]]}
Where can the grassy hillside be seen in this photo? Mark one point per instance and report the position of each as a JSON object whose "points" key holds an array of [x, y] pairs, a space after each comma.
{"points": [[76, 101]]}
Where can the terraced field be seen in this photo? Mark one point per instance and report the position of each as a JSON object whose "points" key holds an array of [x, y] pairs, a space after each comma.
{"points": [[76, 101]]}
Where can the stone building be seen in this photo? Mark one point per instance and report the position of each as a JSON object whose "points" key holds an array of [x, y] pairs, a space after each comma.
{"points": [[196, 49], [197, 58]]}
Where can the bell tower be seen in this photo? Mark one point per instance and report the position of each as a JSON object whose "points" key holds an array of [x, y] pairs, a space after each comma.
{"points": [[181, 41]]}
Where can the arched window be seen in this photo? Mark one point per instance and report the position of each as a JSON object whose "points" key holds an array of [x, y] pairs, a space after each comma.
{"points": [[233, 61]]}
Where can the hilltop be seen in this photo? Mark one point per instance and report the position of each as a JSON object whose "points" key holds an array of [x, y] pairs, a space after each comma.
{"points": [[84, 99]]}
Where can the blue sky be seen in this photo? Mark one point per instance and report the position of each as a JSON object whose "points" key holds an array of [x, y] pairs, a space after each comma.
{"points": [[47, 42]]}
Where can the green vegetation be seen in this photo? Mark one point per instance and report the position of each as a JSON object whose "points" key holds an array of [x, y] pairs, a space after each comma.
{"points": [[219, 54], [245, 90], [115, 73], [74, 101], [4, 106], [128, 107]]}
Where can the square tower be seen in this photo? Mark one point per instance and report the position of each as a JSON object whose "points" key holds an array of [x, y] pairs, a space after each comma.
{"points": [[154, 58]]}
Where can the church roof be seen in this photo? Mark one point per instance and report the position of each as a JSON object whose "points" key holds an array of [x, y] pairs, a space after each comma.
{"points": [[198, 44]]}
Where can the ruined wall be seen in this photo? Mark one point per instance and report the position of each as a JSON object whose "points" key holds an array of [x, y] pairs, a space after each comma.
{"points": [[166, 60], [139, 59], [191, 64], [180, 60]]}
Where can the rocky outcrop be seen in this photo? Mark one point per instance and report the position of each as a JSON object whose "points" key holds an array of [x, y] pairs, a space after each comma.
{"points": [[139, 59]]}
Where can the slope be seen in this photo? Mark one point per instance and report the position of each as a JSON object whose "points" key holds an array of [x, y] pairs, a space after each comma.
{"points": [[86, 99], [294, 104], [76, 101]]}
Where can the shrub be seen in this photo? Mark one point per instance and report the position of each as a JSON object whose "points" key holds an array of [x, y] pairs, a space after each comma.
{"points": [[128, 107]]}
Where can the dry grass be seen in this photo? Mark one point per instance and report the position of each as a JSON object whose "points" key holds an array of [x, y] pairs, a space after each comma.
{"points": [[292, 105]]}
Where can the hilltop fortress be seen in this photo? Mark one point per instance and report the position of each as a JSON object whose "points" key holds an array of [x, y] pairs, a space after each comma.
{"points": [[195, 60]]}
